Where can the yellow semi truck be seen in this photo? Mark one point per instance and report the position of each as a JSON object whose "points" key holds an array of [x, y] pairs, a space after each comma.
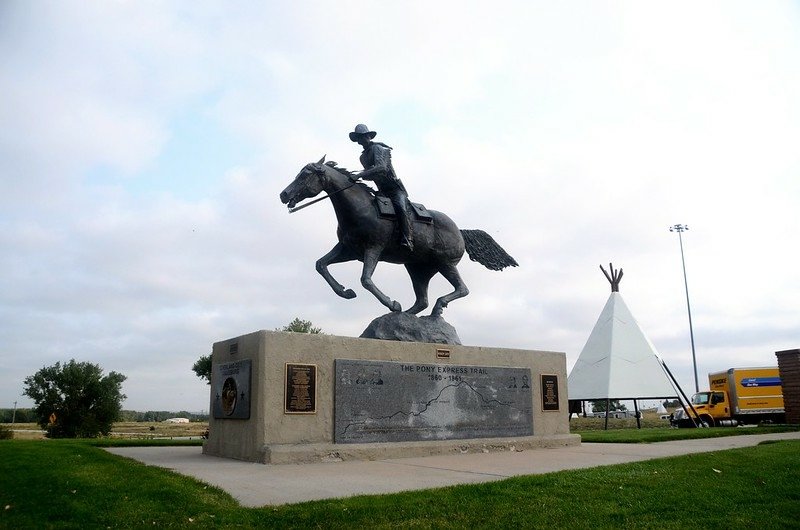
{"points": [[738, 396]]}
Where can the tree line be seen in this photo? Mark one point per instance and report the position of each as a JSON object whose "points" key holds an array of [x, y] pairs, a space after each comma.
{"points": [[21, 416], [161, 415]]}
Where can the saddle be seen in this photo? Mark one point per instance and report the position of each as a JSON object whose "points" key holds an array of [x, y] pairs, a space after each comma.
{"points": [[386, 210]]}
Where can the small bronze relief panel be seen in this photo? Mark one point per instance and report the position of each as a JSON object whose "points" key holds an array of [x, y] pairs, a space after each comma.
{"points": [[232, 390]]}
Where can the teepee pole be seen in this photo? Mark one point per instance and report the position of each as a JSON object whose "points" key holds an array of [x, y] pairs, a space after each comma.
{"points": [[614, 278], [683, 394]]}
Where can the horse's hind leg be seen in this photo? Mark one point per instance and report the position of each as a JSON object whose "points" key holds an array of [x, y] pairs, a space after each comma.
{"points": [[450, 272], [420, 278], [338, 254]]}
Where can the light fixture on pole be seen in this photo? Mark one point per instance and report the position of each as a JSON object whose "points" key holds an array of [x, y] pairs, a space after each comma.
{"points": [[680, 229]]}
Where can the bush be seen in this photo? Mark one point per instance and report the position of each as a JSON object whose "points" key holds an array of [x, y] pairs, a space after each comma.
{"points": [[5, 433]]}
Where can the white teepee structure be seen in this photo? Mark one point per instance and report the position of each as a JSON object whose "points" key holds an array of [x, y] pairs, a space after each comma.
{"points": [[618, 360]]}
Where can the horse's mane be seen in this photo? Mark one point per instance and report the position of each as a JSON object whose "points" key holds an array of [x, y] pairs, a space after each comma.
{"points": [[343, 171], [349, 174]]}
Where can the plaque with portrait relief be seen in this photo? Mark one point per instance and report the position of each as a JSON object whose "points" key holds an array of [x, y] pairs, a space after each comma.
{"points": [[232, 390]]}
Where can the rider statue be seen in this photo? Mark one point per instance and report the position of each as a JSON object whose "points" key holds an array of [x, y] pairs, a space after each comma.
{"points": [[377, 161]]}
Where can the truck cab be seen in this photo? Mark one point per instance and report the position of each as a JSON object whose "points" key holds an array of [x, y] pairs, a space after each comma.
{"points": [[713, 407]]}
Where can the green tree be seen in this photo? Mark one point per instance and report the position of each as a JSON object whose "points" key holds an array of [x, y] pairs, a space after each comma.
{"points": [[203, 368], [300, 326], [671, 404], [75, 400], [599, 405]]}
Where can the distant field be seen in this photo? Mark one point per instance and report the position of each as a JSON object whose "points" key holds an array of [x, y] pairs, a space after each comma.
{"points": [[648, 420], [127, 429], [147, 429]]}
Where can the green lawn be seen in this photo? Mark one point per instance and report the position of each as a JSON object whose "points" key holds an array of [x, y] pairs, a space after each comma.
{"points": [[71, 484], [663, 434]]}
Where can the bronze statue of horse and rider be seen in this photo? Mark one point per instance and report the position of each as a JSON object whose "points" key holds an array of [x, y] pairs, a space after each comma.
{"points": [[370, 236]]}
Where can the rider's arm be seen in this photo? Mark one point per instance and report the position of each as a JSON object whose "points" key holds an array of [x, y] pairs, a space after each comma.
{"points": [[380, 163]]}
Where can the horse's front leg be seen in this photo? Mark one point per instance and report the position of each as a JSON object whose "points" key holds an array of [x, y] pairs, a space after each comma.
{"points": [[370, 262], [338, 254]]}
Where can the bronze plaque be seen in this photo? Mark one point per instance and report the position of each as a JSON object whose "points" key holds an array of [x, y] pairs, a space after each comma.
{"points": [[232, 390], [550, 392], [300, 389]]}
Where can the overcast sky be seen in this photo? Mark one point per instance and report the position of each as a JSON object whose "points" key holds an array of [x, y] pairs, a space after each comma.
{"points": [[143, 146]]}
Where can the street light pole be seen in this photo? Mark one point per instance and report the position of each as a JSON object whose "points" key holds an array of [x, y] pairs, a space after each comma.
{"points": [[680, 229]]}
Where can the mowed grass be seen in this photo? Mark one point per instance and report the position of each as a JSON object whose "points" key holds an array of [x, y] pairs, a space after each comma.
{"points": [[663, 434], [71, 484]]}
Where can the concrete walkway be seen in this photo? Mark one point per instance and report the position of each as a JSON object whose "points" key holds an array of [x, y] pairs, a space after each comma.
{"points": [[259, 485]]}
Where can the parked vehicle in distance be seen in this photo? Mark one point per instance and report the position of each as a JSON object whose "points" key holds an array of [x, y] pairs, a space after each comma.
{"points": [[737, 396]]}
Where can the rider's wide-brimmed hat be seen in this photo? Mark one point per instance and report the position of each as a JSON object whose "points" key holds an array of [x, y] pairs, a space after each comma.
{"points": [[361, 130]]}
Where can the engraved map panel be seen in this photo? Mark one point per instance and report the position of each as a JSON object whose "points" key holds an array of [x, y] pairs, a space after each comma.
{"points": [[383, 401]]}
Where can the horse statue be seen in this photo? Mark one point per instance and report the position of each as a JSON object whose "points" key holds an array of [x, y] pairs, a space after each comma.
{"points": [[366, 236]]}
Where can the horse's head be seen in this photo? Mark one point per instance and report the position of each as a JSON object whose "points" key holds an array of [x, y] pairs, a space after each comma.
{"points": [[308, 183]]}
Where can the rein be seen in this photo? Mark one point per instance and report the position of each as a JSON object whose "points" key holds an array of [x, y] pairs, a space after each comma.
{"points": [[328, 196]]}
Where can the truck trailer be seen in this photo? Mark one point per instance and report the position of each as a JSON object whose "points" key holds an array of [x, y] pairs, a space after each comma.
{"points": [[737, 396]]}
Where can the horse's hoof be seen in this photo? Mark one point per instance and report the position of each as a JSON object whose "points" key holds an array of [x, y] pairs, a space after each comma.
{"points": [[395, 307], [349, 294]]}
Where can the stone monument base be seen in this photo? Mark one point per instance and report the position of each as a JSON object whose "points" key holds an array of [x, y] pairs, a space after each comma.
{"points": [[311, 453], [292, 397], [405, 327]]}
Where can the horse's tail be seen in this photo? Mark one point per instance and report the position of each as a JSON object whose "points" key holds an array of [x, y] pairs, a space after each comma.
{"points": [[485, 250]]}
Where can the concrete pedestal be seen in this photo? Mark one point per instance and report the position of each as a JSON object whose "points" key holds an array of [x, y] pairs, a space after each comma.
{"points": [[253, 417]]}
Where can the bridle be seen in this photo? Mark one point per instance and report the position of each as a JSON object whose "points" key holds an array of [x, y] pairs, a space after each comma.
{"points": [[317, 168]]}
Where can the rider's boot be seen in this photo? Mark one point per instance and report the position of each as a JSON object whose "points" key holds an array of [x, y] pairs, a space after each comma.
{"points": [[406, 234]]}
